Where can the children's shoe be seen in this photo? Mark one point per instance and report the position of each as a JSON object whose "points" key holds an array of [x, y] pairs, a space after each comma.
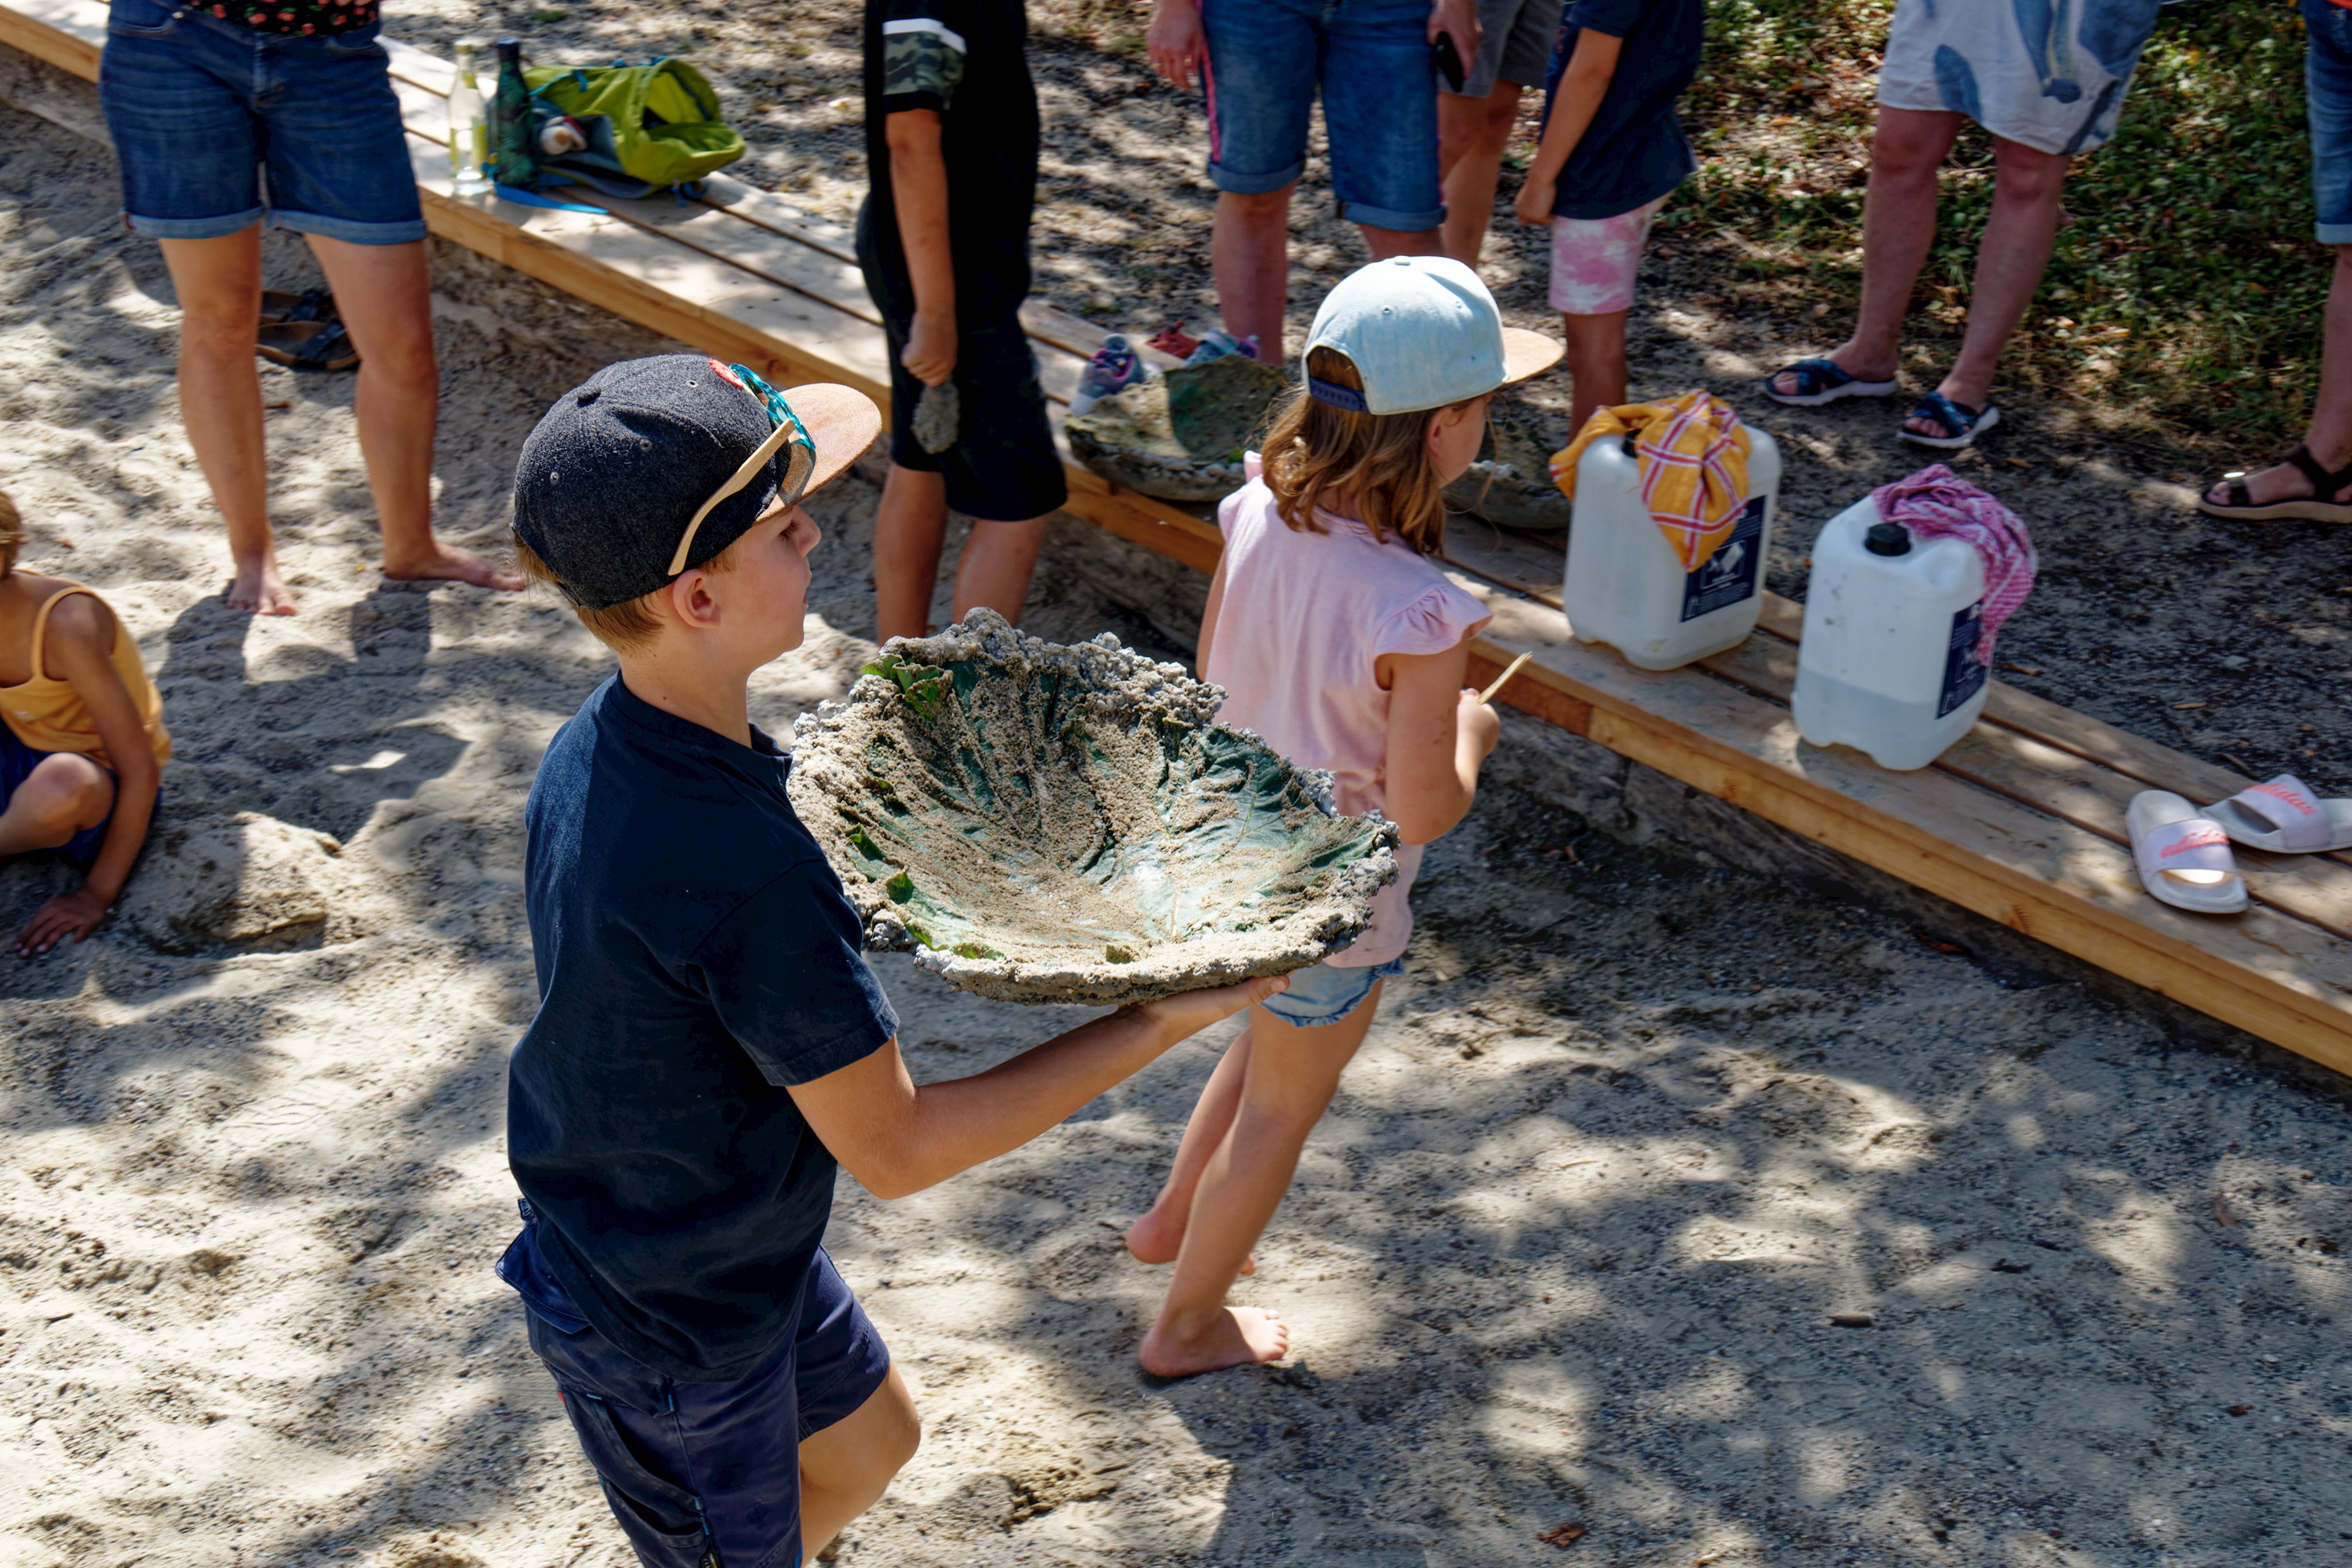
{"points": [[1115, 368], [1224, 345]]}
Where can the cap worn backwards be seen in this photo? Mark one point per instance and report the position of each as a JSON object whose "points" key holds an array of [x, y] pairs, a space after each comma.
{"points": [[1423, 332], [616, 473]]}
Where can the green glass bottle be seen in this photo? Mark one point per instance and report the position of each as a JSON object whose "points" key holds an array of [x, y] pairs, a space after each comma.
{"points": [[511, 121]]}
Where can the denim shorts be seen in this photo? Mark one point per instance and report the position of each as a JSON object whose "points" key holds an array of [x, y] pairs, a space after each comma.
{"points": [[17, 761], [2328, 74], [1327, 992], [1372, 60], [202, 109], [696, 1470]]}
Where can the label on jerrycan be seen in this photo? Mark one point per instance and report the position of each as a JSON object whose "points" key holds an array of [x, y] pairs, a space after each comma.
{"points": [[1963, 676], [1730, 574]]}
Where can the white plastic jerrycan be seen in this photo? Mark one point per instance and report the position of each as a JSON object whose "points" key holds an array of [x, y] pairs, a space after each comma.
{"points": [[1889, 664], [1627, 588]]}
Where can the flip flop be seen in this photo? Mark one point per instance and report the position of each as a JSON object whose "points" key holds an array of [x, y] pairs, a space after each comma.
{"points": [[2183, 856], [2286, 816], [1819, 382], [2315, 508], [277, 306], [308, 346], [1963, 423]]}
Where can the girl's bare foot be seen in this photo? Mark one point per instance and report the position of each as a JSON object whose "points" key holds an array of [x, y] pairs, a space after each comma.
{"points": [[447, 565], [1153, 1239], [1230, 1337], [257, 589]]}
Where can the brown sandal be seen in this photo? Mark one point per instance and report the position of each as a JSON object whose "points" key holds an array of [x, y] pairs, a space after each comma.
{"points": [[2315, 508]]}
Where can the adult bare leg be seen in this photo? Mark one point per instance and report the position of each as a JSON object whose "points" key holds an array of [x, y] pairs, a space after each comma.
{"points": [[384, 296], [1287, 1086], [1158, 1235], [2019, 233], [219, 285], [1386, 243], [1249, 254], [909, 527], [1596, 363], [999, 559], [845, 1469], [1472, 134], [1898, 227], [2329, 438]]}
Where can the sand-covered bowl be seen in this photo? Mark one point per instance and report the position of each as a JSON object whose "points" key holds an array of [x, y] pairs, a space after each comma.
{"points": [[1041, 823]]}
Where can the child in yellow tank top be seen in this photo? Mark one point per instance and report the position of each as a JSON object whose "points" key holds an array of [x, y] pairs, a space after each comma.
{"points": [[82, 743]]}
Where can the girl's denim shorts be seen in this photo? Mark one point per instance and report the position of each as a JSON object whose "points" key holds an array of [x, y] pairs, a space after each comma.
{"points": [[218, 125], [1326, 993]]}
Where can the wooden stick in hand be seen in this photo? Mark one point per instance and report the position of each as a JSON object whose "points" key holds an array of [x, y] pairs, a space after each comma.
{"points": [[1488, 695]]}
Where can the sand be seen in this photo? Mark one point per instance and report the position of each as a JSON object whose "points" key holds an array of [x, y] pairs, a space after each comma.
{"points": [[1565, 1253]]}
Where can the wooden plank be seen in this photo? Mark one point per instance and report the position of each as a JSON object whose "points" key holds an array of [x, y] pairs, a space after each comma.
{"points": [[68, 34]]}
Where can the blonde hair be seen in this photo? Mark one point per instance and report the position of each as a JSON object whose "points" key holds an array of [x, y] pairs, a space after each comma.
{"points": [[11, 534], [627, 627], [1381, 462]]}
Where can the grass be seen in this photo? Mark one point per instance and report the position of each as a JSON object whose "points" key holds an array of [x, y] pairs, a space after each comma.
{"points": [[2182, 307]]}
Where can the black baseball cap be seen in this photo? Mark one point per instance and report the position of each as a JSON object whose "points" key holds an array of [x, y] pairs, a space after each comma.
{"points": [[651, 466]]}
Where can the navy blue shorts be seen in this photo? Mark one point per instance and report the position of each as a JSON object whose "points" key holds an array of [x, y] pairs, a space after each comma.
{"points": [[17, 761], [694, 1469], [202, 109]]}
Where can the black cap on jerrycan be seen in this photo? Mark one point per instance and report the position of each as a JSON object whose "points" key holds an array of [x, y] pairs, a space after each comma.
{"points": [[1887, 538]]}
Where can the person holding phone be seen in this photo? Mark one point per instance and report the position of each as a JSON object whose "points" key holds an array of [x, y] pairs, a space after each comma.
{"points": [[1260, 64], [1477, 108]]}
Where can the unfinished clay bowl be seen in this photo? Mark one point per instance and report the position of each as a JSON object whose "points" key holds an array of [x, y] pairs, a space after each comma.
{"points": [[1511, 483], [1179, 436], [1041, 823]]}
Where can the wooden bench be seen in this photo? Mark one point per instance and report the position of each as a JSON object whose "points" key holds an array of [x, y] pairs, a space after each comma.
{"points": [[2021, 821]]}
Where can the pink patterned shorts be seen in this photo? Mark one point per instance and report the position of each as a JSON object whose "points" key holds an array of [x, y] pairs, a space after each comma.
{"points": [[1593, 261]]}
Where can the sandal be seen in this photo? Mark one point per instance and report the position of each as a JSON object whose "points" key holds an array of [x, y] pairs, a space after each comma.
{"points": [[1821, 381], [2286, 816], [309, 346], [2315, 508], [1960, 423], [277, 307], [2183, 856]]}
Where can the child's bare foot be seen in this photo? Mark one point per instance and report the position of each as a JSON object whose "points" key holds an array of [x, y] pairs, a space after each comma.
{"points": [[257, 589], [1154, 1240], [446, 565], [1230, 1337]]}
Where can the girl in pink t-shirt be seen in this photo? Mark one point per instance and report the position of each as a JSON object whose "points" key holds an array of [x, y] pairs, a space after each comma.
{"points": [[1341, 643]]}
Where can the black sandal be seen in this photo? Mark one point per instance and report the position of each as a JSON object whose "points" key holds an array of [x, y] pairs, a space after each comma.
{"points": [[279, 308], [309, 346], [2316, 507]]}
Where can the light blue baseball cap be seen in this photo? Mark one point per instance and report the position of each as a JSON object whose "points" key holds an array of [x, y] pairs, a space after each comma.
{"points": [[1423, 332]]}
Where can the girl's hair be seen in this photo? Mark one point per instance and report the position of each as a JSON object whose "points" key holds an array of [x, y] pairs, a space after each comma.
{"points": [[11, 534], [1379, 462]]}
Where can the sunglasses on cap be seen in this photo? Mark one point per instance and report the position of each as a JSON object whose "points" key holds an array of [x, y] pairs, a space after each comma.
{"points": [[788, 430]]}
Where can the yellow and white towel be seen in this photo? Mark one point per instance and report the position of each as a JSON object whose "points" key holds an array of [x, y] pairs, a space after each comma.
{"points": [[1694, 455]]}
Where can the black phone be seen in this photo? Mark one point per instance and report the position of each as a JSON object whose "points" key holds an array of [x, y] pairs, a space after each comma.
{"points": [[1449, 61]]}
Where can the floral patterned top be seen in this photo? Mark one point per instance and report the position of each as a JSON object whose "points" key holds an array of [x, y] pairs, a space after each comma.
{"points": [[304, 17]]}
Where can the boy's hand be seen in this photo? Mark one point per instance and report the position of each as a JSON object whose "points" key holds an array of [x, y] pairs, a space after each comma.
{"points": [[1174, 43], [74, 915], [1188, 1013], [1537, 194], [931, 351], [1459, 17], [1480, 723]]}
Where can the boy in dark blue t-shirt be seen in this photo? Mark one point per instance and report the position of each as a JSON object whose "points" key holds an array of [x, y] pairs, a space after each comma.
{"points": [[709, 1041], [1613, 150]]}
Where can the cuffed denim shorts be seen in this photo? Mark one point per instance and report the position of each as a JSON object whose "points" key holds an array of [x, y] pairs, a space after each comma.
{"points": [[1373, 61], [1327, 992], [202, 109], [2327, 74]]}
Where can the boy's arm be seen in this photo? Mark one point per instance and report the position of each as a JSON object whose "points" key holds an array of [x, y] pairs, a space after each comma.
{"points": [[81, 630], [897, 1137], [1582, 88], [918, 194]]}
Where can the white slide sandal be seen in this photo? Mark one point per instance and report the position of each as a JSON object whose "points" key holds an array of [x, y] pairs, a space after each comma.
{"points": [[2286, 816], [2183, 856]]}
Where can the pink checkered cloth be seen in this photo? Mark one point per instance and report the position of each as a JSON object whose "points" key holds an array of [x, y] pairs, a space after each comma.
{"points": [[1936, 504]]}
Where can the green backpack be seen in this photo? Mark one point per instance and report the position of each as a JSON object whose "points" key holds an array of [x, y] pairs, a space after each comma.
{"points": [[649, 127]]}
